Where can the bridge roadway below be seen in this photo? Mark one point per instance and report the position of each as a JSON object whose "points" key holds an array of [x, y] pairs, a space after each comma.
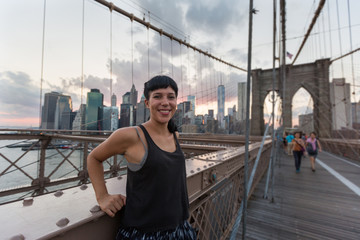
{"points": [[309, 205]]}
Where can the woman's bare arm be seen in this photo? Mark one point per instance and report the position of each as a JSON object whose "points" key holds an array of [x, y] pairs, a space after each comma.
{"points": [[117, 143]]}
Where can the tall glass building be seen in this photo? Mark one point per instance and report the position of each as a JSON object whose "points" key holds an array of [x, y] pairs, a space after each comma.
{"points": [[110, 118], [133, 96], [113, 100], [94, 101], [48, 110], [63, 116], [142, 112], [192, 100], [221, 105]]}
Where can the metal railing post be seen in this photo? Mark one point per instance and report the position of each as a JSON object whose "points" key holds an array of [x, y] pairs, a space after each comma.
{"points": [[41, 180], [247, 189], [84, 172]]}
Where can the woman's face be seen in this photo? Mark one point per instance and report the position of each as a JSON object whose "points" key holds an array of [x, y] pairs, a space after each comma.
{"points": [[162, 104], [297, 135], [312, 135]]}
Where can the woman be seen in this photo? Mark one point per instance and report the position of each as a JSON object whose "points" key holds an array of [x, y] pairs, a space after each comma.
{"points": [[298, 149], [312, 146], [156, 203]]}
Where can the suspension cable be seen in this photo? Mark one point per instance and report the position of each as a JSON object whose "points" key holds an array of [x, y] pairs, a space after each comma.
{"points": [[161, 51], [172, 63], [328, 7], [316, 15], [323, 27], [148, 51], [147, 24], [42, 64], [132, 52], [352, 58], [339, 33], [181, 73], [111, 60], [82, 55]]}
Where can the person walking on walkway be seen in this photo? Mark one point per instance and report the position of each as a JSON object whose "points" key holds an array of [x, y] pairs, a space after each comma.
{"points": [[313, 146], [156, 205], [289, 139], [298, 148]]}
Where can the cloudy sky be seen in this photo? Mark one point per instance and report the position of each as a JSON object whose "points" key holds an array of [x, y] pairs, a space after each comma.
{"points": [[128, 53]]}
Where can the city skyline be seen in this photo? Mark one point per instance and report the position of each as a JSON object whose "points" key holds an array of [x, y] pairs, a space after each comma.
{"points": [[128, 62]]}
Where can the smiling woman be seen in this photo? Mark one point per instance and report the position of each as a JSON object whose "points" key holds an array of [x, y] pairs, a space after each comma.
{"points": [[156, 203]]}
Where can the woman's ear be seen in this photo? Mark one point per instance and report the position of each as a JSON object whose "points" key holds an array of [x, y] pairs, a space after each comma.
{"points": [[146, 103]]}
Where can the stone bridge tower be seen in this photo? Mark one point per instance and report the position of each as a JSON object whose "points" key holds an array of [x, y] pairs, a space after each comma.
{"points": [[314, 77]]}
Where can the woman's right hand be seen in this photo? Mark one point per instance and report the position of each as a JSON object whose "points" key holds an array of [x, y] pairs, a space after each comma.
{"points": [[111, 204]]}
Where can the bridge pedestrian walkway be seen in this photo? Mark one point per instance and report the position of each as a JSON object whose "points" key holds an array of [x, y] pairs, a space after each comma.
{"points": [[308, 205]]}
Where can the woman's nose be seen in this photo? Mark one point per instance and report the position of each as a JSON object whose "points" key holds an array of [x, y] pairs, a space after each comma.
{"points": [[164, 101]]}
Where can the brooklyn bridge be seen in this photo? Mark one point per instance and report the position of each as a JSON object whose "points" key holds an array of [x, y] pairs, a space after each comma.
{"points": [[232, 121]]}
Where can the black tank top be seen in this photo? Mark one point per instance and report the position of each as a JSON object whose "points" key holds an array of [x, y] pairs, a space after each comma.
{"points": [[156, 195]]}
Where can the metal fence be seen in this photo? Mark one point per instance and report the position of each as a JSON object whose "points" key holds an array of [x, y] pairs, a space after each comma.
{"points": [[215, 178]]}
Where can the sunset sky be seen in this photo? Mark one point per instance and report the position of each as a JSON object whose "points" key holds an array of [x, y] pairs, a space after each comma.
{"points": [[219, 27]]}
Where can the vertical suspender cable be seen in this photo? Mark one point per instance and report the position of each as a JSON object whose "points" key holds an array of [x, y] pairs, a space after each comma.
{"points": [[181, 74], [251, 11], [195, 75], [352, 60], [283, 67], [148, 43], [200, 76], [132, 52], [172, 63], [111, 60], [271, 163], [42, 65], [161, 60], [323, 26], [339, 33], [243, 207], [319, 38], [188, 71], [208, 82], [332, 68], [82, 55]]}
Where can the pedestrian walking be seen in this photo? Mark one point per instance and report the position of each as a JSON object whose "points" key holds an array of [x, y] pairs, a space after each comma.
{"points": [[289, 139], [313, 146], [298, 150]]}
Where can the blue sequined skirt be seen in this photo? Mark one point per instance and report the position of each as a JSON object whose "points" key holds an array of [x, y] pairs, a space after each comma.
{"points": [[182, 232]]}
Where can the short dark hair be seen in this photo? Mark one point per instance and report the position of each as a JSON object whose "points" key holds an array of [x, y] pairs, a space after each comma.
{"points": [[159, 82]]}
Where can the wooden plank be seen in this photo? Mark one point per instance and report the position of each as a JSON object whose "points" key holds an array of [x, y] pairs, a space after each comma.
{"points": [[306, 205]]}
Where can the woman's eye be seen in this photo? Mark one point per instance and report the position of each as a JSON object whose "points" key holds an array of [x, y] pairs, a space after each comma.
{"points": [[171, 97], [156, 96]]}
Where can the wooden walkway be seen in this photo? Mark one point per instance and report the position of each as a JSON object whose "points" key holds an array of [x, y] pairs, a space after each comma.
{"points": [[307, 205]]}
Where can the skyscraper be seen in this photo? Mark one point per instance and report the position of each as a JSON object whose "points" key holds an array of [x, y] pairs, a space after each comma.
{"points": [[221, 105], [241, 101], [48, 110], [341, 104], [133, 96], [93, 102], [110, 118], [126, 115], [126, 98], [79, 121], [192, 100], [63, 116], [113, 100], [142, 112]]}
